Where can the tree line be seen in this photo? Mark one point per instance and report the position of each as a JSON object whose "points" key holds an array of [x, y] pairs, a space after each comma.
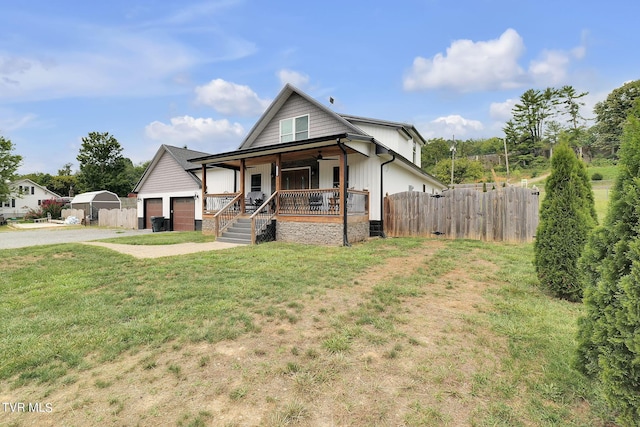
{"points": [[102, 166], [540, 120]]}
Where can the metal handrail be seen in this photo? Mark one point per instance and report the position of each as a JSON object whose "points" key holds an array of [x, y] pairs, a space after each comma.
{"points": [[261, 217], [227, 214]]}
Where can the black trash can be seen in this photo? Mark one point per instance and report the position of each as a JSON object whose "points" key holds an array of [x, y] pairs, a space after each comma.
{"points": [[157, 223]]}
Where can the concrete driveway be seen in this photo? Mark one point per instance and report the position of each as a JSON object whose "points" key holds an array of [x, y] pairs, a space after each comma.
{"points": [[55, 235]]}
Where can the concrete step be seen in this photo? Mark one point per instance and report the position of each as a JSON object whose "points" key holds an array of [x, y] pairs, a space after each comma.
{"points": [[236, 241]]}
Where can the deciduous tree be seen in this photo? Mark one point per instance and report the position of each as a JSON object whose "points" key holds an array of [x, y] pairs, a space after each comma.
{"points": [[102, 166], [9, 164]]}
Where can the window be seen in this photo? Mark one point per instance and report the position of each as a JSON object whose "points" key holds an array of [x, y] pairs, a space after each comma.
{"points": [[33, 190], [256, 182], [39, 202], [294, 129], [415, 153], [336, 177]]}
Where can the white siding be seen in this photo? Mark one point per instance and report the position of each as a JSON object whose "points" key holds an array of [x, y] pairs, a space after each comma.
{"points": [[219, 180], [392, 139], [25, 201], [265, 171]]}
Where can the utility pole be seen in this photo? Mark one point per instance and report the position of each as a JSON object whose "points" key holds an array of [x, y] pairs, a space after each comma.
{"points": [[453, 155], [506, 157]]}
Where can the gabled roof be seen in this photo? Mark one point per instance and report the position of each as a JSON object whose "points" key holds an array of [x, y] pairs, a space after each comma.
{"points": [[275, 106], [407, 128], [180, 155], [35, 184]]}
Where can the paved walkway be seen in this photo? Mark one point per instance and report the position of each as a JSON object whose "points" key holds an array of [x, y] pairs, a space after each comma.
{"points": [[158, 251]]}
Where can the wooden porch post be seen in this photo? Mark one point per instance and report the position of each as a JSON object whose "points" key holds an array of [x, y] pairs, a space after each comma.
{"points": [[278, 181], [242, 168], [204, 187], [343, 183]]}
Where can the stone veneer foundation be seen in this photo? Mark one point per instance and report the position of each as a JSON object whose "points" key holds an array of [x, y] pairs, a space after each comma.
{"points": [[318, 233]]}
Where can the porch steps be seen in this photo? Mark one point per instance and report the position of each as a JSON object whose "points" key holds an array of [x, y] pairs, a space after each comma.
{"points": [[239, 232]]}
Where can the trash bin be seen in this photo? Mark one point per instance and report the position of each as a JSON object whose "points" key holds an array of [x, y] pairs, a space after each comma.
{"points": [[157, 223]]}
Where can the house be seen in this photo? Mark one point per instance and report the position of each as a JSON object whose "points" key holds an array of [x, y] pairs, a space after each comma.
{"points": [[25, 195], [320, 176], [171, 187]]}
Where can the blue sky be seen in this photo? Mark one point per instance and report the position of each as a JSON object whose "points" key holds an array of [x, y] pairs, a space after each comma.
{"points": [[200, 73]]}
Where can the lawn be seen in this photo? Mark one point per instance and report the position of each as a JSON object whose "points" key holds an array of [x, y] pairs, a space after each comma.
{"points": [[389, 332]]}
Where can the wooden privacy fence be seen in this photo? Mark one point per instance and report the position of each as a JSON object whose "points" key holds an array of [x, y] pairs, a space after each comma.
{"points": [[509, 214], [124, 218]]}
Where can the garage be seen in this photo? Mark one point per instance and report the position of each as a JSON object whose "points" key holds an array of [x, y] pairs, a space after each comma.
{"points": [[152, 207], [183, 216]]}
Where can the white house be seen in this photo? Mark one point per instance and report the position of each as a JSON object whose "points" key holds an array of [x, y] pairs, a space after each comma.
{"points": [[25, 196], [321, 176]]}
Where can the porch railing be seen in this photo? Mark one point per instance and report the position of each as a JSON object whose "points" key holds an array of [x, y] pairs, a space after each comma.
{"points": [[357, 202], [261, 221], [225, 216], [213, 203], [322, 202]]}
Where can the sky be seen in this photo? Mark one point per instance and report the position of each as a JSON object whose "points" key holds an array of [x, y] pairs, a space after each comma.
{"points": [[200, 73]]}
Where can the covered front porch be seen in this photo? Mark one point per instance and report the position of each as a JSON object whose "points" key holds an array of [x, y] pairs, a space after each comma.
{"points": [[299, 192]]}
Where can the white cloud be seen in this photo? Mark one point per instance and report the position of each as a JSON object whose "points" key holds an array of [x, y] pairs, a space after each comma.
{"points": [[502, 110], [295, 78], [470, 66], [490, 65], [446, 127], [550, 69], [217, 134], [111, 64], [9, 122], [230, 98]]}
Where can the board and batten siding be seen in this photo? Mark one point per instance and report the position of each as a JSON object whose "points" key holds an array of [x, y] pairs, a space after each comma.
{"points": [[391, 139], [168, 176], [220, 180], [320, 123]]}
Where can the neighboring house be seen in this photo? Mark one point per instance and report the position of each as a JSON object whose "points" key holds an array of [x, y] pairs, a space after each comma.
{"points": [[25, 196], [321, 177], [171, 187]]}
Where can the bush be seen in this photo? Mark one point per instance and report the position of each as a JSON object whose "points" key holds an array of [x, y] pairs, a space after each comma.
{"points": [[50, 206], [608, 343], [596, 177], [567, 215]]}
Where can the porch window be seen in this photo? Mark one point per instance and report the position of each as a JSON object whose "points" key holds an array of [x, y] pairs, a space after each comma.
{"points": [[294, 129], [336, 177], [256, 182]]}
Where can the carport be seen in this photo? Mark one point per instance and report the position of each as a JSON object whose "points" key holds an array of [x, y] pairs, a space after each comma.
{"points": [[93, 201]]}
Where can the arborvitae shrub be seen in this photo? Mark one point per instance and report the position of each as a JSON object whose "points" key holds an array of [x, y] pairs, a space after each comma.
{"points": [[567, 215], [608, 338], [597, 176]]}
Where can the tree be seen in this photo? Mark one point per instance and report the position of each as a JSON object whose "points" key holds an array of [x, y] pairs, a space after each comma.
{"points": [[9, 164], [463, 170], [611, 115], [567, 215], [102, 166], [608, 342], [434, 151]]}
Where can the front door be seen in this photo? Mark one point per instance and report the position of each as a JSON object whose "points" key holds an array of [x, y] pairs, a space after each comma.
{"points": [[296, 179]]}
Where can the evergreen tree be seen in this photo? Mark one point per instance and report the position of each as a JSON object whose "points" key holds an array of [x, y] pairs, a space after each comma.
{"points": [[567, 215], [608, 341]]}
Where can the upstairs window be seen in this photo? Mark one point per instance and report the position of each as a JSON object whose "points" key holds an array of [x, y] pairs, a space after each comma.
{"points": [[294, 129]]}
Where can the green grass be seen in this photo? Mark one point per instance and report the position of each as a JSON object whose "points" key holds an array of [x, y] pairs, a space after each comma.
{"points": [[64, 303], [163, 238]]}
